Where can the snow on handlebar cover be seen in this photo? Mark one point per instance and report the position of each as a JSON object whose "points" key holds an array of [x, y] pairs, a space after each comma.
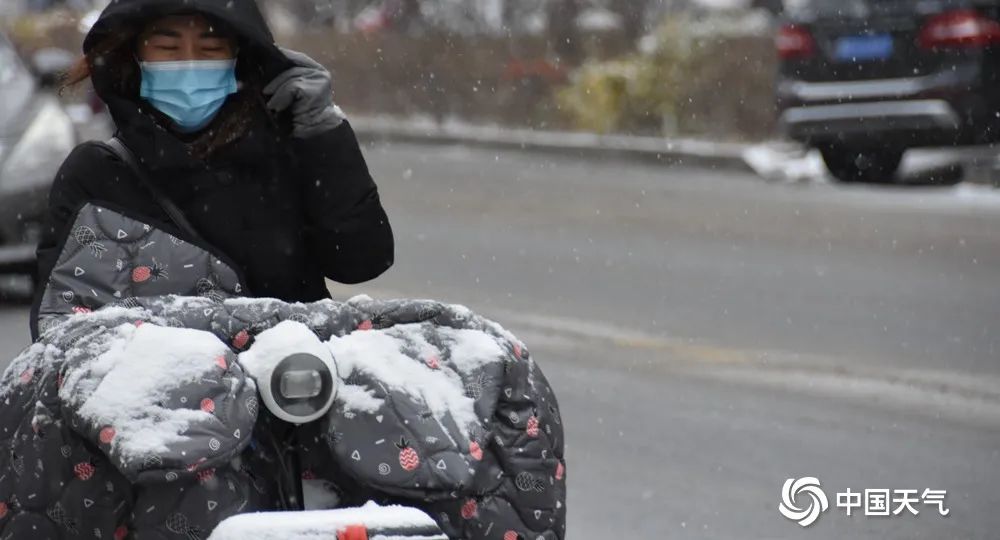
{"points": [[428, 404]]}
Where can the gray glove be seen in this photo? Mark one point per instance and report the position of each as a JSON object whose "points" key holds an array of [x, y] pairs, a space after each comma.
{"points": [[306, 90]]}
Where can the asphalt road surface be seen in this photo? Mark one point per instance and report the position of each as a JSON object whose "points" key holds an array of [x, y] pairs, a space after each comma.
{"points": [[711, 334]]}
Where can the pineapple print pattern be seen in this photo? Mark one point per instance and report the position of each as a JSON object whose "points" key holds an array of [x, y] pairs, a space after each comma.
{"points": [[129, 302], [58, 516], [527, 482], [205, 476], [208, 289], [178, 524], [86, 237], [207, 405], [104, 248], [241, 339], [470, 509], [107, 435], [141, 274], [433, 362], [474, 388], [409, 460], [475, 451], [532, 426], [146, 272], [152, 461], [96, 279], [251, 405], [84, 470]]}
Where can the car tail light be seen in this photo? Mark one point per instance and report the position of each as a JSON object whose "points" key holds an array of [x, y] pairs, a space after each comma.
{"points": [[960, 28], [794, 41]]}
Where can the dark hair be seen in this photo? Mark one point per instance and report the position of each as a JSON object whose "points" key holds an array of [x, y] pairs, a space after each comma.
{"points": [[116, 52]]}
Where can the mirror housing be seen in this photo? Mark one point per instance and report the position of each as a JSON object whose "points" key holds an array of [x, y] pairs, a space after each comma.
{"points": [[295, 373], [298, 389]]}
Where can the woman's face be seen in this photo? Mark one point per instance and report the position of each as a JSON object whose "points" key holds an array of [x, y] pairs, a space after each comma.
{"points": [[183, 37]]}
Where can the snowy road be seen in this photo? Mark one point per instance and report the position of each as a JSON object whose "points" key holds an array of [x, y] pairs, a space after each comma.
{"points": [[711, 334]]}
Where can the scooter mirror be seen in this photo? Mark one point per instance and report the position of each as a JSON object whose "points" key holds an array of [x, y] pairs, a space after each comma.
{"points": [[300, 389], [294, 371], [303, 384]]}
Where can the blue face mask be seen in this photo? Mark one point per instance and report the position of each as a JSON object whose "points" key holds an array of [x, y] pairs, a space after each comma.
{"points": [[189, 92]]}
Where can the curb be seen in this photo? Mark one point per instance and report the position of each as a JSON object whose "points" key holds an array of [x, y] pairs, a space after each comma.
{"points": [[714, 155], [775, 160]]}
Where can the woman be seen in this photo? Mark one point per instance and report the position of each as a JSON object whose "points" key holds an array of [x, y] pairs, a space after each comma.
{"points": [[241, 136]]}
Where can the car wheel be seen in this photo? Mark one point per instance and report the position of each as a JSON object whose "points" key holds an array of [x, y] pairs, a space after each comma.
{"points": [[871, 165]]}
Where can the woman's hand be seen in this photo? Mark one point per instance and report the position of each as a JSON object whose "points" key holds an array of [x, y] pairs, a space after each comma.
{"points": [[306, 91]]}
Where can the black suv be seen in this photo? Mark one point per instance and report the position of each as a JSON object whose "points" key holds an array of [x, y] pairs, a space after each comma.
{"points": [[863, 80]]}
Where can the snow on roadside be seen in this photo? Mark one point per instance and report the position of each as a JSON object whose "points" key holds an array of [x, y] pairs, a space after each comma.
{"points": [[785, 163], [977, 195]]}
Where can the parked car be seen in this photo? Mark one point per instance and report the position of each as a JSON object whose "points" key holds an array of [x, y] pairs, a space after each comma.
{"points": [[865, 80], [36, 134]]}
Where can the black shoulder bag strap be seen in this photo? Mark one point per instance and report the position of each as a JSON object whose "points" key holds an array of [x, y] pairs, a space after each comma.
{"points": [[173, 212]]}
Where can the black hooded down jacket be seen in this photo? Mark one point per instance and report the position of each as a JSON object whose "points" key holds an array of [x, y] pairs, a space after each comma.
{"points": [[289, 212]]}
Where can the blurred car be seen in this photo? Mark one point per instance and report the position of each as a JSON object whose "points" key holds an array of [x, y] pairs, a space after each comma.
{"points": [[864, 80], [36, 134]]}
